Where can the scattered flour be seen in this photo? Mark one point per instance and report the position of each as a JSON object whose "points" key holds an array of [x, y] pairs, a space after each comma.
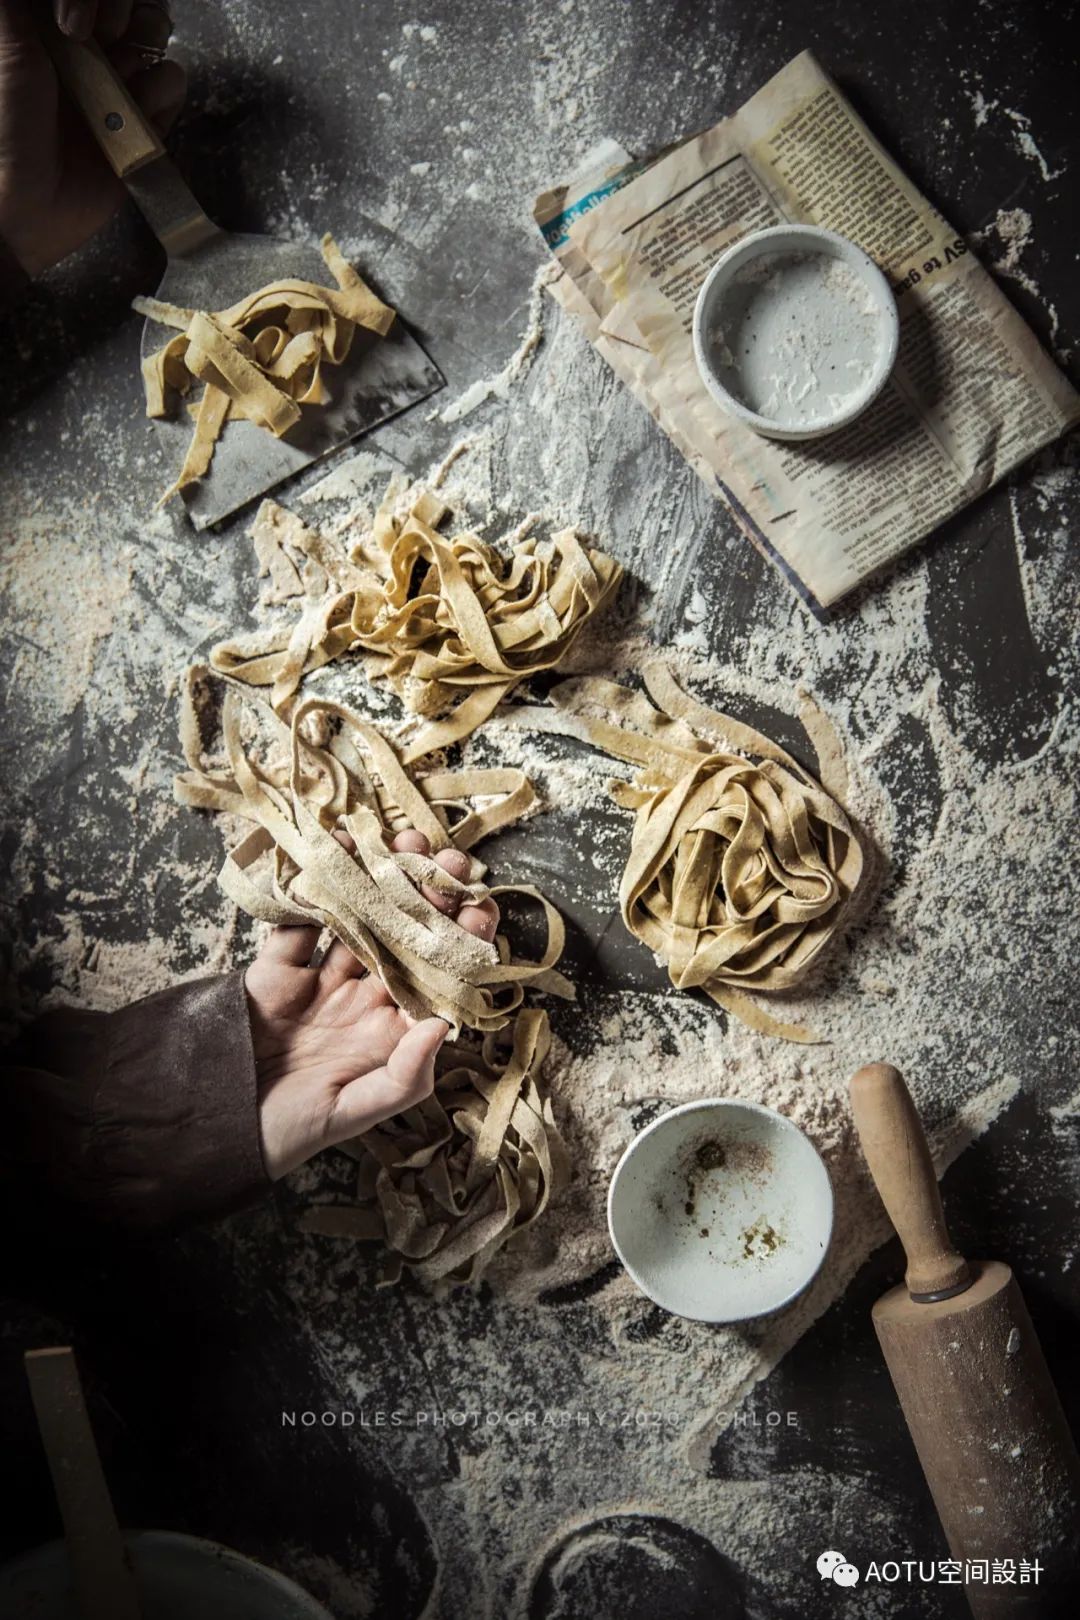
{"points": [[1020, 127], [1026, 145], [1012, 228], [958, 811], [499, 385]]}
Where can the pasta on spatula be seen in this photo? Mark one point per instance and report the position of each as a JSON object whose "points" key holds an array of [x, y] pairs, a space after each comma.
{"points": [[741, 865], [261, 359]]}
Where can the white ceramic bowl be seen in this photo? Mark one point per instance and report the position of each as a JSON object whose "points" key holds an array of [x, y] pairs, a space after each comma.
{"points": [[179, 1578], [795, 331], [721, 1210]]}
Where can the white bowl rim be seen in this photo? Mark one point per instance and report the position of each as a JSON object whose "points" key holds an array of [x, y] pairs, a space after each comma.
{"points": [[717, 1104], [54, 1554], [851, 253]]}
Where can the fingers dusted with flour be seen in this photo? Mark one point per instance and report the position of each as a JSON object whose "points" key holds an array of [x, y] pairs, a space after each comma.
{"points": [[334, 1054], [292, 947], [482, 920], [340, 964]]}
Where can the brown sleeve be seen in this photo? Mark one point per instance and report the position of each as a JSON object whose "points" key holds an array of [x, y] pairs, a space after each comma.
{"points": [[146, 1116], [13, 278]]}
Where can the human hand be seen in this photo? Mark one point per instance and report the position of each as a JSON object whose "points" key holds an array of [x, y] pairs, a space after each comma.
{"points": [[56, 187], [334, 1055]]}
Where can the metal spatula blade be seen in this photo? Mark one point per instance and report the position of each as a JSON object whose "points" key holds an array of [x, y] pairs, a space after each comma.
{"points": [[380, 376], [209, 269]]}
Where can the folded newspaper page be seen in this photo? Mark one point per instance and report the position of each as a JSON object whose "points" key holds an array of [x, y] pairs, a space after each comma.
{"points": [[972, 394]]}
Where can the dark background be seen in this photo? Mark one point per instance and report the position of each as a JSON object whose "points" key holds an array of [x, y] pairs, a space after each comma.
{"points": [[189, 1351]]}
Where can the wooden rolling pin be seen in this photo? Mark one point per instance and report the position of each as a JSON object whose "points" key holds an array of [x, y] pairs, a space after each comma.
{"points": [[974, 1387]]}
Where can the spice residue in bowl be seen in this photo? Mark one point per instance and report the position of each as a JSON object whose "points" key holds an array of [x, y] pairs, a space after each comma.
{"points": [[708, 1167], [705, 1156], [760, 1240]]}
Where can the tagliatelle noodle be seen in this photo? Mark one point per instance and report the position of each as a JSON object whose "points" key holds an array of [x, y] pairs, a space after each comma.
{"points": [[452, 642], [451, 1181], [741, 865], [291, 869], [261, 359]]}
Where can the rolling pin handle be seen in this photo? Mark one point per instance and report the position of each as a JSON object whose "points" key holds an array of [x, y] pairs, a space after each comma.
{"points": [[896, 1150]]}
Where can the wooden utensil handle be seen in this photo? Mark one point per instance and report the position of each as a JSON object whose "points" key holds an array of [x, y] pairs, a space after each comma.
{"points": [[115, 119], [103, 1581], [896, 1150]]}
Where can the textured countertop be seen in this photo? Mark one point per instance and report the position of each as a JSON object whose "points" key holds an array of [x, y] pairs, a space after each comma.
{"points": [[419, 138]]}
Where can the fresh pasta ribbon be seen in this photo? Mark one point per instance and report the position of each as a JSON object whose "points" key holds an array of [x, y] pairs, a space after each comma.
{"points": [[741, 865], [292, 869], [261, 359], [452, 625], [447, 1184]]}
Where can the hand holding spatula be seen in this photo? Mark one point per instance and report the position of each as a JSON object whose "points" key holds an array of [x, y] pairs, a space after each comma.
{"points": [[211, 270]]}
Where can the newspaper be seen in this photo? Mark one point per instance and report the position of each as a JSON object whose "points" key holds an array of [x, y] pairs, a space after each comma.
{"points": [[972, 394]]}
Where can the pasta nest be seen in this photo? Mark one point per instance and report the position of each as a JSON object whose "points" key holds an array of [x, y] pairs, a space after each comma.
{"points": [[447, 1184], [741, 865]]}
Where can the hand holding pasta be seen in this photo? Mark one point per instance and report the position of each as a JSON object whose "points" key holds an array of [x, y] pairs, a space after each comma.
{"points": [[334, 1054]]}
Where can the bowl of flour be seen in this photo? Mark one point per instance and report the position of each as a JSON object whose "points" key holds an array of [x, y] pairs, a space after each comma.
{"points": [[795, 331]]}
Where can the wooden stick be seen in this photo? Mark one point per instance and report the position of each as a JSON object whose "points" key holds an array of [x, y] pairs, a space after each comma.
{"points": [[104, 1581]]}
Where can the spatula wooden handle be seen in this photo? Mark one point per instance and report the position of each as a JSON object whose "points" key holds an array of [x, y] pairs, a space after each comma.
{"points": [[102, 1578], [896, 1150], [115, 119]]}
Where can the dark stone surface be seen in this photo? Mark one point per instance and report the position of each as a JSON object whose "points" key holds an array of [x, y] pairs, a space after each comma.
{"points": [[190, 1349]]}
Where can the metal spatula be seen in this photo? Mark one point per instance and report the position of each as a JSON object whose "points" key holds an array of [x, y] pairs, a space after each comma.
{"points": [[209, 269]]}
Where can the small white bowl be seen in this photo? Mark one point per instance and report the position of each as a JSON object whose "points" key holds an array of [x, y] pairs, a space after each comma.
{"points": [[721, 1210], [179, 1578], [795, 331]]}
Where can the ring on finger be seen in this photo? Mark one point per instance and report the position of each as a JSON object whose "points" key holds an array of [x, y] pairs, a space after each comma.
{"points": [[150, 27]]}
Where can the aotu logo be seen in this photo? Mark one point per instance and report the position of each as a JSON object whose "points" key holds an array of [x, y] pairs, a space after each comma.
{"points": [[833, 1566]]}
